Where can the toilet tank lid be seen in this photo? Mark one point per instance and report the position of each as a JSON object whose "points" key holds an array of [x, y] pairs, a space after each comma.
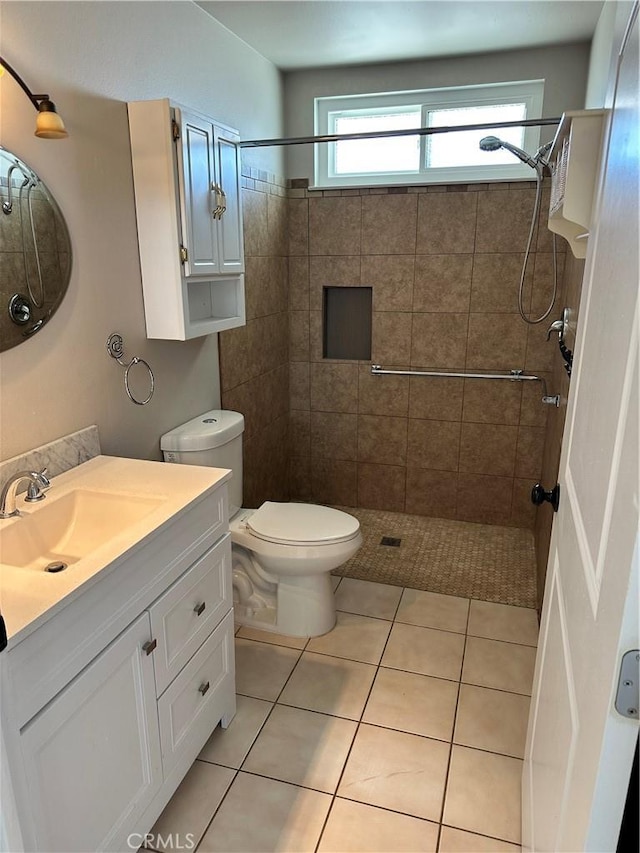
{"points": [[212, 429]]}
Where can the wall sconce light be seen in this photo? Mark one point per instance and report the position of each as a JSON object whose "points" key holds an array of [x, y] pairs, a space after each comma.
{"points": [[49, 125]]}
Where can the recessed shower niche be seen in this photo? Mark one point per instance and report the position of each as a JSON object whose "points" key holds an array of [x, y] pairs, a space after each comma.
{"points": [[346, 323]]}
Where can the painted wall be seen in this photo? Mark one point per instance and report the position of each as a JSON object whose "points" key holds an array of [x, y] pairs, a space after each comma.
{"points": [[92, 57], [564, 68]]}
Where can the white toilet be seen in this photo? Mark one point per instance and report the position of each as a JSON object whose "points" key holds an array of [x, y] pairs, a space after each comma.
{"points": [[282, 552]]}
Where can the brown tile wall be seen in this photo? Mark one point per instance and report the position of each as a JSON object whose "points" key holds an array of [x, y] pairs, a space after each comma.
{"points": [[254, 359], [559, 384], [444, 264]]}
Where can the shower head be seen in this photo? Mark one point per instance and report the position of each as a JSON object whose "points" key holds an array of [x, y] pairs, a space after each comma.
{"points": [[492, 143]]}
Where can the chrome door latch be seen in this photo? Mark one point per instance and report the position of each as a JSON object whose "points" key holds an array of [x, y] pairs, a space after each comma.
{"points": [[628, 693]]}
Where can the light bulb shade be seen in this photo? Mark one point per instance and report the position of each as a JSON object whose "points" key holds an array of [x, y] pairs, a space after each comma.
{"points": [[49, 125]]}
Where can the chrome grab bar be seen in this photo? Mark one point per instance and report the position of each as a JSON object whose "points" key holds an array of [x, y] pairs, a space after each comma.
{"points": [[512, 376]]}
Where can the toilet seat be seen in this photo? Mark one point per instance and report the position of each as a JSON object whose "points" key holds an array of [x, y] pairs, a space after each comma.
{"points": [[302, 524]]}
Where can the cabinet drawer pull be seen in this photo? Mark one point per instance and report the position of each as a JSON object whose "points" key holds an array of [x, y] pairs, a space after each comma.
{"points": [[203, 688], [149, 646], [199, 608]]}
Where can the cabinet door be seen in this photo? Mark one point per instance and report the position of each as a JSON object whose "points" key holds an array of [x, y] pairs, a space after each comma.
{"points": [[197, 184], [230, 223], [92, 755]]}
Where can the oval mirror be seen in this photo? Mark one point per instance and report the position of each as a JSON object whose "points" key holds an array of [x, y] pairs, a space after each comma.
{"points": [[35, 252]]}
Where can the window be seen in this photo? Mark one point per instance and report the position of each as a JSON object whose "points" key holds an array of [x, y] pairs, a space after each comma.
{"points": [[434, 158]]}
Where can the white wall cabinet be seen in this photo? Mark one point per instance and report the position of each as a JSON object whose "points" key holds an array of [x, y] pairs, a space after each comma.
{"points": [[102, 726], [186, 171]]}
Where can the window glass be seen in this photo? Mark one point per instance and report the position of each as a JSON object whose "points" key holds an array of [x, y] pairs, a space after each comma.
{"points": [[463, 148], [433, 158], [365, 156]]}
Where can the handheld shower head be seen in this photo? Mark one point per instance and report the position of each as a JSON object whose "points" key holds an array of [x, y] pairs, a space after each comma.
{"points": [[492, 143]]}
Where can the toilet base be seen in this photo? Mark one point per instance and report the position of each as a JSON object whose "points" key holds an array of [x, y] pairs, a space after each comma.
{"points": [[294, 606]]}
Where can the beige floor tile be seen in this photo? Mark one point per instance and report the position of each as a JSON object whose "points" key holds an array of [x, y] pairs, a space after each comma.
{"points": [[503, 666], [412, 703], [398, 771], [483, 794], [425, 650], [194, 803], [368, 599], [262, 669], [276, 639], [302, 747], [335, 582], [503, 622], [457, 841], [283, 818], [354, 637], [432, 610], [492, 720], [358, 828], [329, 685], [230, 746]]}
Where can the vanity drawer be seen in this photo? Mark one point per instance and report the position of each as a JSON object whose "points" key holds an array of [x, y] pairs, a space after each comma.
{"points": [[203, 693], [185, 615]]}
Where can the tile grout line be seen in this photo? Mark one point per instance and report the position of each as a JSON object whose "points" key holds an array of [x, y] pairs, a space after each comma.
{"points": [[258, 733], [359, 723], [453, 731]]}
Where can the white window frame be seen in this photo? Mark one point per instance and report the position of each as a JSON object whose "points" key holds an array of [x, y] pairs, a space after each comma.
{"points": [[530, 92]]}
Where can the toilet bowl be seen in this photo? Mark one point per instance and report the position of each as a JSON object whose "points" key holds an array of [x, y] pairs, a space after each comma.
{"points": [[282, 553]]}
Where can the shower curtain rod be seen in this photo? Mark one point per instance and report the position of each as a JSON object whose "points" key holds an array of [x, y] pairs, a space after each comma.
{"points": [[384, 134]]}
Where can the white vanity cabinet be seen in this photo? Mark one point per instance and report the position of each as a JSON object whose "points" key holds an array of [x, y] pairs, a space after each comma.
{"points": [[107, 704], [186, 172]]}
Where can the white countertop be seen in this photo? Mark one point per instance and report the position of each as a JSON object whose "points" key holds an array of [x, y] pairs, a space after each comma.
{"points": [[29, 597]]}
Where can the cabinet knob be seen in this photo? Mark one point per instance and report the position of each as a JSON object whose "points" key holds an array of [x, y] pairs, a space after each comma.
{"points": [[203, 688], [199, 609], [149, 646]]}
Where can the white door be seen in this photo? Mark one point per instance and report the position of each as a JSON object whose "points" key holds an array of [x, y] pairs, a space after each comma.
{"points": [[579, 749]]}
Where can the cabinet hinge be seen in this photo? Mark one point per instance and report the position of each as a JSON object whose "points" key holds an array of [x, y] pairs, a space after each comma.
{"points": [[175, 129], [184, 254]]}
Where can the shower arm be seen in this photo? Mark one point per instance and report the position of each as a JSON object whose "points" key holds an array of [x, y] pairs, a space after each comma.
{"points": [[385, 134]]}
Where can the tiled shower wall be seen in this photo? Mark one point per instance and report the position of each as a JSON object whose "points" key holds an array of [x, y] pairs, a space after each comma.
{"points": [[254, 369], [444, 264], [569, 296]]}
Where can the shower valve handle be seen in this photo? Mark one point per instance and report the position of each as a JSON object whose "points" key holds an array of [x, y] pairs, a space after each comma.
{"points": [[556, 326]]}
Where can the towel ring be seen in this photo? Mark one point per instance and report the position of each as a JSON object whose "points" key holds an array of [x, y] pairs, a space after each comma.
{"points": [[115, 349]]}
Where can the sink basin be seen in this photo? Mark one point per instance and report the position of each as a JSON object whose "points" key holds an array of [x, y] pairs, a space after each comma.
{"points": [[71, 527]]}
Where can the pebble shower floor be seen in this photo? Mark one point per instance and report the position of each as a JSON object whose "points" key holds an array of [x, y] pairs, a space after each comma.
{"points": [[480, 561]]}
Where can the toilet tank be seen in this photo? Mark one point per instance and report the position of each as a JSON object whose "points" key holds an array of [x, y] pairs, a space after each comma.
{"points": [[214, 440]]}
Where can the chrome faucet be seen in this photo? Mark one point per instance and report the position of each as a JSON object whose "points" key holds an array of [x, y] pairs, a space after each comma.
{"points": [[38, 483]]}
